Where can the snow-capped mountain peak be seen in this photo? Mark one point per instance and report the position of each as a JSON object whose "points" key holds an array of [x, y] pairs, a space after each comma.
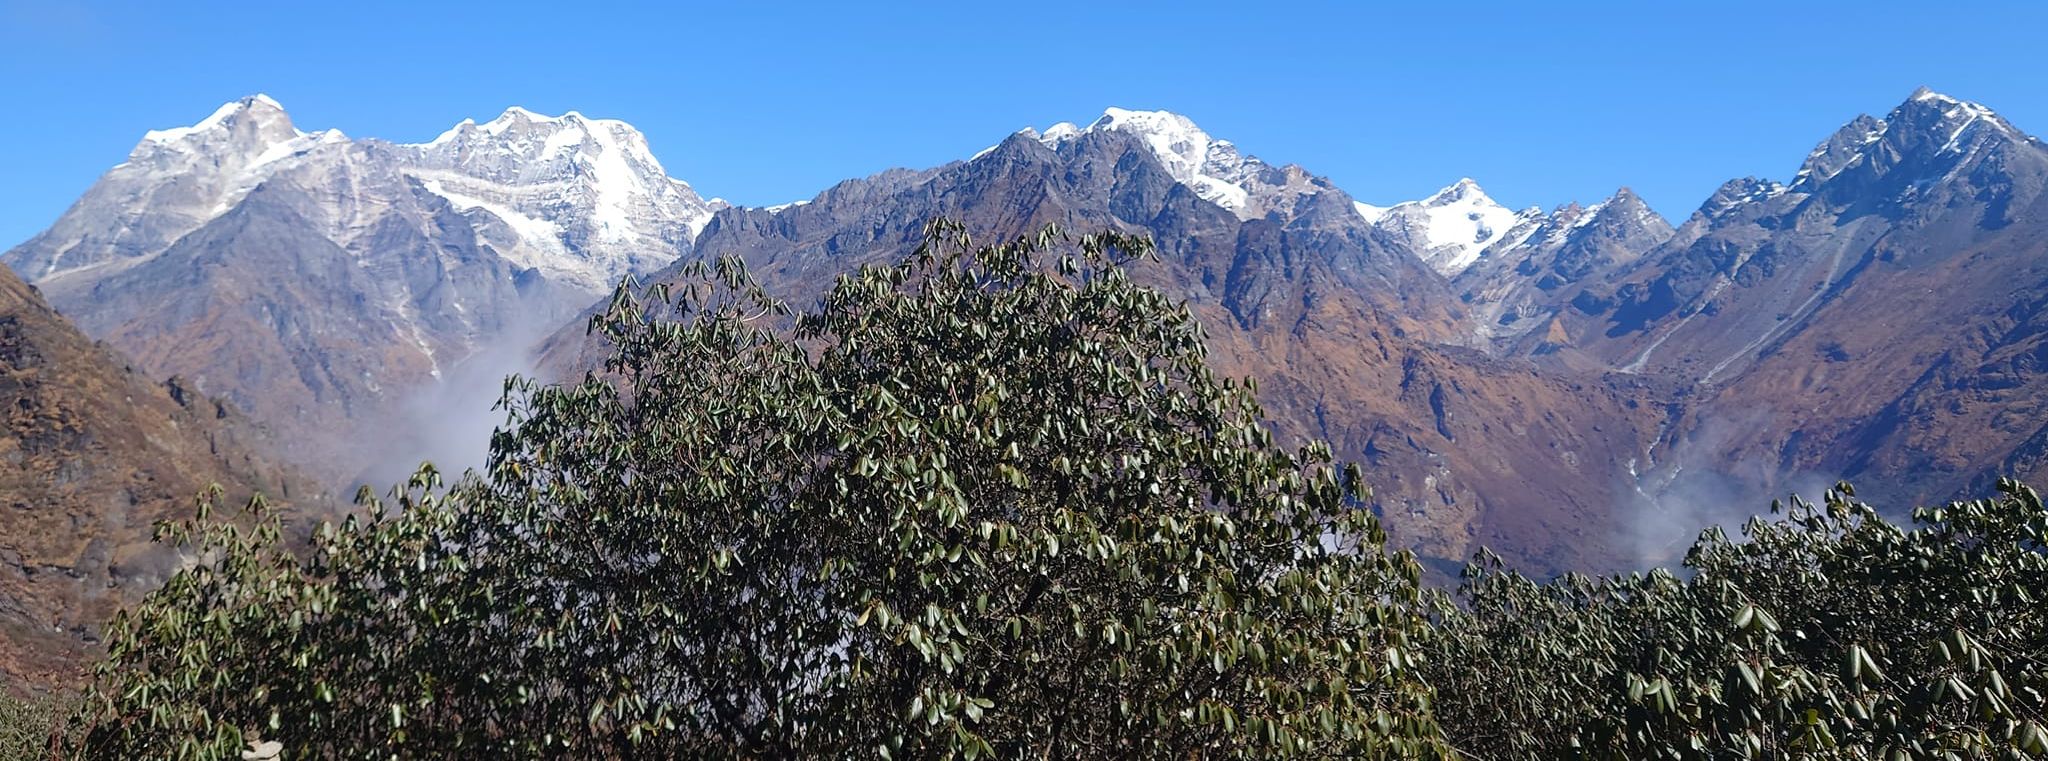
{"points": [[1925, 94], [580, 199], [240, 137], [1173, 136], [218, 119], [523, 146], [585, 198], [178, 178], [1464, 189], [257, 114], [1213, 168], [1058, 132], [1957, 120], [1450, 228]]}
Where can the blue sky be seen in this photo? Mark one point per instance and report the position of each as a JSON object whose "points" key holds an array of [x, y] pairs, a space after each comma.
{"points": [[763, 103]]}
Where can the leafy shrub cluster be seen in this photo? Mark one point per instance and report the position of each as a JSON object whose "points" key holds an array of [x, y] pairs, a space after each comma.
{"points": [[28, 723], [974, 504], [1828, 632], [991, 502]]}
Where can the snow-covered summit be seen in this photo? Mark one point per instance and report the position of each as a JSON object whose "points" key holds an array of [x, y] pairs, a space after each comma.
{"points": [[1372, 214], [1213, 168], [256, 109], [523, 147], [582, 200], [525, 134], [173, 181], [250, 131], [1451, 227], [1960, 126]]}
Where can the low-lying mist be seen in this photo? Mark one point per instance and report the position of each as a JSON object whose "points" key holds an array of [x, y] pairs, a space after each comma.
{"points": [[449, 422], [1690, 487]]}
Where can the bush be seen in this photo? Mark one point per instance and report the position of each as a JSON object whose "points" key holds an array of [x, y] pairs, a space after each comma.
{"points": [[28, 724], [986, 501], [1829, 633]]}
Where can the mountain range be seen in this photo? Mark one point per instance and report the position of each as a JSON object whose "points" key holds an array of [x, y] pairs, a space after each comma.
{"points": [[314, 279], [1579, 388]]}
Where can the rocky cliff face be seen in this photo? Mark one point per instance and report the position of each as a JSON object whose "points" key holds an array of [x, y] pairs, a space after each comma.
{"points": [[319, 281], [91, 455]]}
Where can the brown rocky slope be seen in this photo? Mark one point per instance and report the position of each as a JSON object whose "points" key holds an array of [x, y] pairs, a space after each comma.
{"points": [[92, 454]]}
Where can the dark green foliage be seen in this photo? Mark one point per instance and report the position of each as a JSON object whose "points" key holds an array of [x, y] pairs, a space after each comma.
{"points": [[1829, 633], [29, 723], [980, 503]]}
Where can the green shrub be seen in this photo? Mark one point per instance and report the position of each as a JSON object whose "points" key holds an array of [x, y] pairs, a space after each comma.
{"points": [[1828, 632], [29, 723], [983, 502]]}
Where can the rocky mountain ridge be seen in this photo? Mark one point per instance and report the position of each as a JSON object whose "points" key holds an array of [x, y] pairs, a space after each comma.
{"points": [[1873, 319]]}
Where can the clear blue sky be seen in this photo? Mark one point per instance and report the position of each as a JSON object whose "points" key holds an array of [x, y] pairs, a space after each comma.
{"points": [[762, 103]]}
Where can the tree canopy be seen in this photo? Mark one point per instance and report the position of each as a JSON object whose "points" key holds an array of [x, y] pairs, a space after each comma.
{"points": [[1827, 631], [986, 501]]}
